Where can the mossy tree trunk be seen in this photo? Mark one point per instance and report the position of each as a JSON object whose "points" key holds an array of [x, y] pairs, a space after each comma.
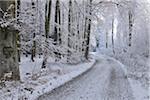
{"points": [[8, 46]]}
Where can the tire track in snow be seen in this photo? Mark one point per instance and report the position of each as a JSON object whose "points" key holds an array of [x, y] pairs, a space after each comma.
{"points": [[105, 81]]}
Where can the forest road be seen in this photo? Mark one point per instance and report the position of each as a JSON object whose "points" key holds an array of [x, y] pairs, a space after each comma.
{"points": [[105, 81]]}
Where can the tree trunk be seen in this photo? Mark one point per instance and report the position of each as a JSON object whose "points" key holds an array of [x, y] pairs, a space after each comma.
{"points": [[18, 36], [88, 30], [130, 27], [8, 46], [106, 39], [33, 50], [69, 29], [47, 26], [112, 36], [57, 31]]}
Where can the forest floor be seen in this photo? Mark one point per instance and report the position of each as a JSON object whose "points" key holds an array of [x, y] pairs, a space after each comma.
{"points": [[107, 80]]}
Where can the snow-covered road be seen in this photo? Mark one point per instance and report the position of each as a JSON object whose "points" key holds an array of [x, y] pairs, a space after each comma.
{"points": [[105, 81]]}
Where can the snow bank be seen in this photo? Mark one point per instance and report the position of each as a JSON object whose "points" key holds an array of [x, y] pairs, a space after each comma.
{"points": [[139, 92], [32, 88]]}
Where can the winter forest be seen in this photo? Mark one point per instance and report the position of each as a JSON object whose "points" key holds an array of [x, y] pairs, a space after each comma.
{"points": [[74, 49]]}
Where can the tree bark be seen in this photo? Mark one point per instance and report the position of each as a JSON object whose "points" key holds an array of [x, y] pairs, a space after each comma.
{"points": [[130, 27], [57, 31], [18, 36], [112, 36], [8, 46], [69, 29], [106, 39], [88, 30], [33, 50], [47, 26]]}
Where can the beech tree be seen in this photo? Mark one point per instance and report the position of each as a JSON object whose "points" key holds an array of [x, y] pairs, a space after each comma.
{"points": [[18, 36], [8, 41], [33, 49], [47, 30], [88, 26], [57, 29], [62, 34], [70, 14]]}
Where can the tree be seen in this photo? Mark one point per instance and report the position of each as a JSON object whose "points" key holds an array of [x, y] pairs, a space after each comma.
{"points": [[33, 49], [130, 26], [112, 38], [47, 25], [18, 36], [57, 30], [88, 27], [106, 39], [69, 28], [8, 42]]}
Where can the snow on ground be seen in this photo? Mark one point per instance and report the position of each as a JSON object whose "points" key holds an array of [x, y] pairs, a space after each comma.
{"points": [[107, 80], [29, 68], [137, 67], [35, 82], [139, 91]]}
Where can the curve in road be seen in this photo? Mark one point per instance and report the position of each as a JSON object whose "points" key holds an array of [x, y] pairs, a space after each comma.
{"points": [[105, 81]]}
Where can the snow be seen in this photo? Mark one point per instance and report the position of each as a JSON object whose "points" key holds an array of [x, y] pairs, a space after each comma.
{"points": [[29, 67], [121, 73], [35, 84], [139, 92], [137, 71], [105, 81], [140, 89]]}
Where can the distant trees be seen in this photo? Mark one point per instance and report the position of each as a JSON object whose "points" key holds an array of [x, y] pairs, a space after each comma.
{"points": [[71, 40], [54, 28], [124, 26]]}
